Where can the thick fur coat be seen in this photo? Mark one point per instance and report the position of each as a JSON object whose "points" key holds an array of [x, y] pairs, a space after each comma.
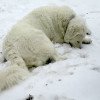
{"points": [[29, 43]]}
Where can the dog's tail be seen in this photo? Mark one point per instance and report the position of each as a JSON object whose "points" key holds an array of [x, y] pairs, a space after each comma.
{"points": [[12, 75]]}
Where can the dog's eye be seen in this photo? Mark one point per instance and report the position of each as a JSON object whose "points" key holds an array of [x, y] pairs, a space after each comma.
{"points": [[70, 44], [78, 42]]}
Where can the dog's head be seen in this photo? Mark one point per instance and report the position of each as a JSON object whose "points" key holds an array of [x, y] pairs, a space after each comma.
{"points": [[75, 32], [76, 41], [74, 36]]}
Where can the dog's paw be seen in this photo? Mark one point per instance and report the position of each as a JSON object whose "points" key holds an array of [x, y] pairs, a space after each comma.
{"points": [[87, 41]]}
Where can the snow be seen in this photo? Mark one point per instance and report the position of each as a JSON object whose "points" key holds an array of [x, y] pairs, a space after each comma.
{"points": [[77, 77]]}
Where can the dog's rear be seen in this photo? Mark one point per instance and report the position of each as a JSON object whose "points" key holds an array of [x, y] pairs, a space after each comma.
{"points": [[11, 76]]}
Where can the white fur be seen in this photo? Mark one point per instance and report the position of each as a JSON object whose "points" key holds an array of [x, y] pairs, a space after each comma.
{"points": [[29, 44], [12, 75]]}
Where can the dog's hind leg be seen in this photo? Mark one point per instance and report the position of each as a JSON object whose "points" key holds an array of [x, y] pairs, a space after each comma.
{"points": [[15, 72], [11, 76]]}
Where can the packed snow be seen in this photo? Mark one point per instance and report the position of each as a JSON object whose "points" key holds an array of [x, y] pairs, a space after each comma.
{"points": [[77, 77]]}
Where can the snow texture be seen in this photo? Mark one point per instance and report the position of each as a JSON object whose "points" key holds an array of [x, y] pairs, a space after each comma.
{"points": [[77, 77]]}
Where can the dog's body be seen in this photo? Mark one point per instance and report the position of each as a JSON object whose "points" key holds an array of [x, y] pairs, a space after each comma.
{"points": [[51, 20], [29, 44]]}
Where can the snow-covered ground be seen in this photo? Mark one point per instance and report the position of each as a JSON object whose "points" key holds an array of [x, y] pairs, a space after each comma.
{"points": [[77, 77]]}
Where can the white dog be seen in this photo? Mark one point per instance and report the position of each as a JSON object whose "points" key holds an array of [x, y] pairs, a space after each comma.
{"points": [[28, 44]]}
